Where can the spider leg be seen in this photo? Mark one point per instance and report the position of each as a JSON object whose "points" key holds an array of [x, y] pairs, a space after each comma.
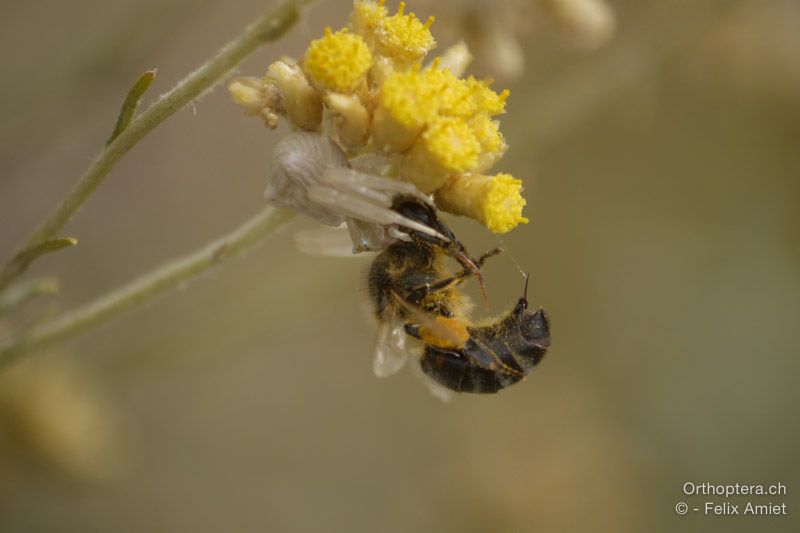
{"points": [[351, 205], [324, 242], [371, 185]]}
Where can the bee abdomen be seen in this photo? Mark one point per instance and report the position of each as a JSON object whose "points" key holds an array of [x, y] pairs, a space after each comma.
{"points": [[495, 357], [460, 372]]}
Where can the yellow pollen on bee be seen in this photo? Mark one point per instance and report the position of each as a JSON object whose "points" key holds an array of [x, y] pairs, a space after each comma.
{"points": [[446, 333]]}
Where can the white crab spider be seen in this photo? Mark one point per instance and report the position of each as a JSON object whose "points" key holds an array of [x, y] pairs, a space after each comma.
{"points": [[312, 176]]}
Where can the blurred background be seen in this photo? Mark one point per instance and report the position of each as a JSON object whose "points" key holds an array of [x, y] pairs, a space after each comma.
{"points": [[659, 142]]}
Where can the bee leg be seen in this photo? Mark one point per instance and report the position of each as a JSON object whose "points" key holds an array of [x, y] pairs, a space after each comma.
{"points": [[418, 294], [446, 283], [491, 253], [371, 185], [479, 265]]}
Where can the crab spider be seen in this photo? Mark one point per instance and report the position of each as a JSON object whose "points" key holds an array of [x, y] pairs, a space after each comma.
{"points": [[312, 176]]}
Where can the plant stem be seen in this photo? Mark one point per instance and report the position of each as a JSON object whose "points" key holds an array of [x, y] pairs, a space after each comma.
{"points": [[268, 28], [148, 286]]}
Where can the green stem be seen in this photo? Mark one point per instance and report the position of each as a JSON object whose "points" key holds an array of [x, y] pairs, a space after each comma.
{"points": [[268, 28], [148, 286]]}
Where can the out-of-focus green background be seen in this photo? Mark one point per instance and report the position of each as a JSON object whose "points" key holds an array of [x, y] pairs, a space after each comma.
{"points": [[663, 180]]}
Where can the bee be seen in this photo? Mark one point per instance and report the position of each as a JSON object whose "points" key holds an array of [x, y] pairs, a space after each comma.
{"points": [[493, 356], [416, 298]]}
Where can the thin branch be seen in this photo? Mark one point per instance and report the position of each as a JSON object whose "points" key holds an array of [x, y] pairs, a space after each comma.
{"points": [[268, 28], [20, 262], [148, 286], [25, 291]]}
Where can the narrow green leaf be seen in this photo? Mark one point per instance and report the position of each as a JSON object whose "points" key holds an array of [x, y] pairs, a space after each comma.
{"points": [[22, 292], [23, 260], [131, 103]]}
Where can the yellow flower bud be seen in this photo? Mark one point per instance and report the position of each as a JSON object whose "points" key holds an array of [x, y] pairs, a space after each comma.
{"points": [[366, 17], [248, 93], [456, 59], [405, 105], [447, 147], [494, 201], [257, 99], [338, 61], [350, 117], [493, 145], [300, 101], [403, 37]]}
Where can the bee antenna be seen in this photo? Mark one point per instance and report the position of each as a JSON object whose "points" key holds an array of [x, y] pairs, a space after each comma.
{"points": [[525, 290]]}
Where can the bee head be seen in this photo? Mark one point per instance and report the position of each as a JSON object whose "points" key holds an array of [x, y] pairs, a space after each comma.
{"points": [[533, 325], [424, 213]]}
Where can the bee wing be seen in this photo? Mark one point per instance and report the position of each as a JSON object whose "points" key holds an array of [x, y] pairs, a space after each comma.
{"points": [[436, 389], [391, 352], [325, 242]]}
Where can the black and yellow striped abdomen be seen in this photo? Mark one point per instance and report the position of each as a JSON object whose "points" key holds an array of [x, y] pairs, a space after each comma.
{"points": [[495, 356]]}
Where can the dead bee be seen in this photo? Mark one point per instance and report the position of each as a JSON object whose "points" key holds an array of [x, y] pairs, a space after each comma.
{"points": [[494, 356], [415, 296], [414, 269]]}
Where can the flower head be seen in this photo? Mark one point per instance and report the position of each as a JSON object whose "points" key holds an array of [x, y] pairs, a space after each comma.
{"points": [[425, 125], [338, 61], [367, 17], [495, 201], [404, 38]]}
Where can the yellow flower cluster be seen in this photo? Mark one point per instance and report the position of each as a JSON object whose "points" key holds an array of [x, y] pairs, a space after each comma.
{"points": [[443, 121], [434, 128]]}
